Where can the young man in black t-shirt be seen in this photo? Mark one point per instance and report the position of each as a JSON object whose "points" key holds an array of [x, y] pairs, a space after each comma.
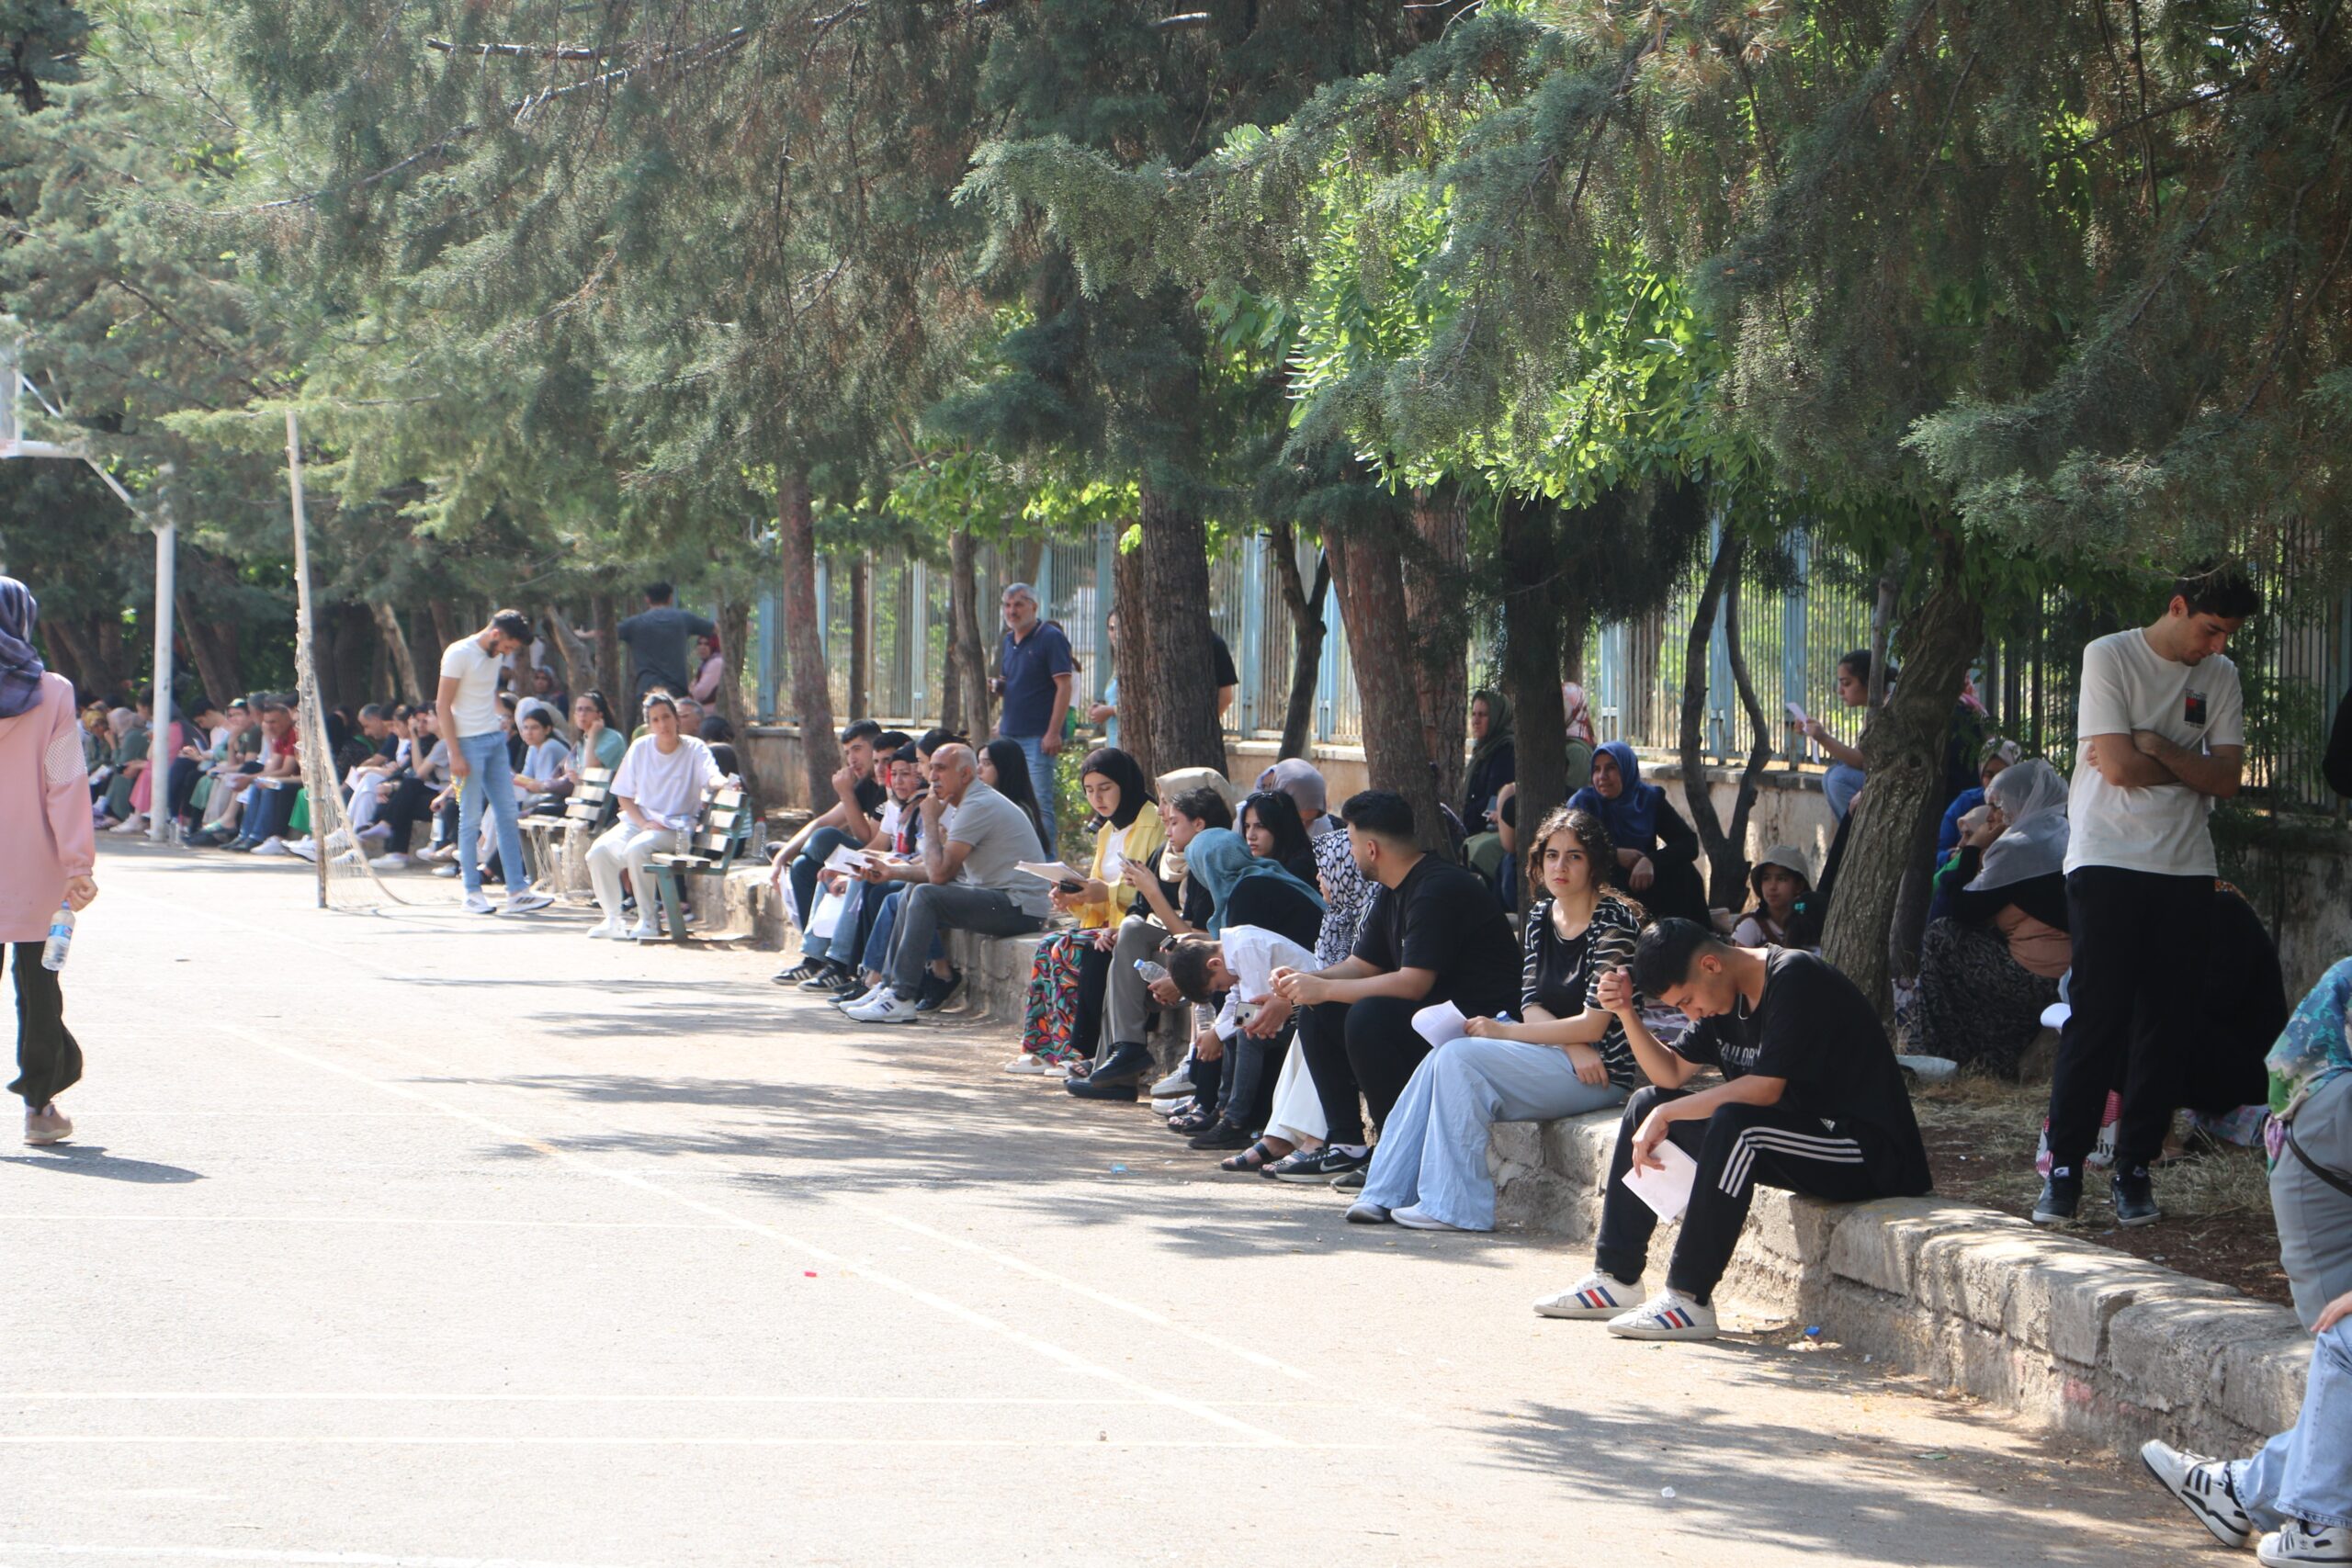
{"points": [[1434, 933], [1812, 1100]]}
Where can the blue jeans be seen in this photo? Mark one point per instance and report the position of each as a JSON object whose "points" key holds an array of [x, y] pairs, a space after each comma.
{"points": [[1040, 780], [876, 956], [2305, 1473], [1433, 1149], [1838, 787], [487, 772]]}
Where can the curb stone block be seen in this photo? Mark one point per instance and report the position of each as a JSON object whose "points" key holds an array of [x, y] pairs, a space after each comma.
{"points": [[2169, 1345], [2262, 1375], [1885, 1253]]}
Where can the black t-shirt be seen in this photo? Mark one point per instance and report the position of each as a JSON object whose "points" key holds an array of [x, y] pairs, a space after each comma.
{"points": [[1815, 1029], [1276, 906], [1226, 675], [1444, 919], [870, 793]]}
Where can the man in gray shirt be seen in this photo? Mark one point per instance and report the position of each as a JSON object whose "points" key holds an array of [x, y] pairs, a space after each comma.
{"points": [[660, 639], [965, 880]]}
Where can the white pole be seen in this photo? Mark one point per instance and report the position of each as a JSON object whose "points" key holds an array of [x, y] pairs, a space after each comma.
{"points": [[160, 756], [303, 631]]}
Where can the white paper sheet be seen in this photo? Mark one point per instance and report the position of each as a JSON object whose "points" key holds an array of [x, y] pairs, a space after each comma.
{"points": [[1049, 870], [1668, 1191], [847, 860], [1441, 1023], [1797, 714], [828, 917]]}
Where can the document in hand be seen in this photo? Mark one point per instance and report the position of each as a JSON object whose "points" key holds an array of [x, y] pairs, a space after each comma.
{"points": [[848, 861], [1797, 715], [1439, 1023], [1049, 870], [1667, 1191]]}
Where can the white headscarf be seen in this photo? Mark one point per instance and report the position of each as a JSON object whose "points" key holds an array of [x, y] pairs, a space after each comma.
{"points": [[2033, 797]]}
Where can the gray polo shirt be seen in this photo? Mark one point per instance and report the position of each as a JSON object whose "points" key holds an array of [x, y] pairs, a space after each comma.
{"points": [[1000, 837]]}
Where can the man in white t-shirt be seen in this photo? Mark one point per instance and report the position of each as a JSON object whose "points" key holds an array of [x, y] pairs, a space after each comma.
{"points": [[467, 708], [2160, 734]]}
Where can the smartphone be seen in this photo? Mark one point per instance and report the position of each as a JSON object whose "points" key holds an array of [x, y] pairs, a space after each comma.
{"points": [[1071, 887]]}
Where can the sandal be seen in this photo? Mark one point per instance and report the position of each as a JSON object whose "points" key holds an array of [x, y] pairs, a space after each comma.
{"points": [[1250, 1159], [1191, 1121]]}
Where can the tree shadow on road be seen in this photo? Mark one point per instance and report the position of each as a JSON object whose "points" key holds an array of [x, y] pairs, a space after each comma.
{"points": [[92, 1159]]}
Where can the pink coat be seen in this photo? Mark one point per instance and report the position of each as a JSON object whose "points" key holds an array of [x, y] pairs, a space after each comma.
{"points": [[45, 834]]}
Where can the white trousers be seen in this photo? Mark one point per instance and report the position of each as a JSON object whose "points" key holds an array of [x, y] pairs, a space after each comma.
{"points": [[1297, 1116], [625, 847]]}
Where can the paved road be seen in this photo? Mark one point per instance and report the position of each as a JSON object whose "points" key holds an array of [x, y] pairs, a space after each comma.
{"points": [[425, 1238]]}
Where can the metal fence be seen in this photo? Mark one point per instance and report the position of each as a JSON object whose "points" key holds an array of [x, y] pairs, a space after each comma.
{"points": [[2295, 658]]}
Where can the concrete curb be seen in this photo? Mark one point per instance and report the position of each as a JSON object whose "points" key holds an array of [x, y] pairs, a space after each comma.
{"points": [[2085, 1340]]}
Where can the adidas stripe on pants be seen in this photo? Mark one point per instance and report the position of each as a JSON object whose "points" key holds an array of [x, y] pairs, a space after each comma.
{"points": [[1735, 1148]]}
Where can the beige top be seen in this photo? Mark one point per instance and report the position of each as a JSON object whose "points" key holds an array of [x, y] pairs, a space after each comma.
{"points": [[45, 834]]}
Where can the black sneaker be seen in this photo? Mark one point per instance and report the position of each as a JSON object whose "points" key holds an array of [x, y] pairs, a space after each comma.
{"points": [[1353, 1180], [2061, 1194], [1220, 1135], [2135, 1198], [1315, 1165], [936, 993], [798, 973], [824, 977]]}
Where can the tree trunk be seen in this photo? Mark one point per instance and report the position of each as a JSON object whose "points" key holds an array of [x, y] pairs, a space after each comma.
{"points": [[965, 705], [1903, 749], [861, 636], [445, 622], [1308, 629], [734, 642], [1531, 665], [607, 633], [214, 648], [112, 667], [69, 648], [1021, 559], [1134, 704], [1759, 748], [812, 698], [1726, 849], [1371, 589], [579, 654], [387, 623], [1169, 655], [1436, 598]]}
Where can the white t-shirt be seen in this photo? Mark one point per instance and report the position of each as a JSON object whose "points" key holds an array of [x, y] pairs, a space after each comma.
{"points": [[1253, 953], [669, 789], [475, 668], [2160, 828]]}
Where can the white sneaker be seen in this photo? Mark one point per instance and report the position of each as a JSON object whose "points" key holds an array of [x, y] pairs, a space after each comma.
{"points": [[1412, 1219], [523, 903], [1171, 1106], [377, 830], [887, 1007], [1029, 1064], [2203, 1487], [644, 930], [47, 1126], [874, 993], [303, 849], [351, 857], [1670, 1315], [272, 846], [1597, 1295], [1175, 1085], [447, 868], [2302, 1544], [479, 904], [604, 928], [132, 824], [393, 861]]}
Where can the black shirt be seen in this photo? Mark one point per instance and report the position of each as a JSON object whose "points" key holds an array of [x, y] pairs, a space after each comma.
{"points": [[1814, 1029], [1560, 976], [1276, 906], [870, 793], [1444, 919], [1222, 656]]}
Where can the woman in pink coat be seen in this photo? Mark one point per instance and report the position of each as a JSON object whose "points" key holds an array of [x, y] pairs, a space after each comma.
{"points": [[47, 853]]}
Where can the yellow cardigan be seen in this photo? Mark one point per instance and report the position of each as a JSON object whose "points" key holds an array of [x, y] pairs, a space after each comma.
{"points": [[1145, 834]]}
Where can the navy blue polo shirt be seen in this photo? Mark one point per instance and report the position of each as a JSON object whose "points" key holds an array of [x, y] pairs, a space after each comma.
{"points": [[1030, 666]]}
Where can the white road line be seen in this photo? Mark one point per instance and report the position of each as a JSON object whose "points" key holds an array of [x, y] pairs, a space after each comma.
{"points": [[955, 1309], [258, 1554], [333, 1396], [1060, 1441], [433, 1220]]}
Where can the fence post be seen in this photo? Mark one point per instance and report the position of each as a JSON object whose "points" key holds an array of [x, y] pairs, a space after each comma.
{"points": [[770, 613], [1793, 621], [1106, 569], [1327, 676], [1253, 632], [914, 635]]}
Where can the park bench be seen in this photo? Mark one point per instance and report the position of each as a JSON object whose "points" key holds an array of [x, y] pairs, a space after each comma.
{"points": [[555, 849], [721, 835]]}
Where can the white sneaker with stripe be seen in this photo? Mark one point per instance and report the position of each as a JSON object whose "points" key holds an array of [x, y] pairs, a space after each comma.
{"points": [[1670, 1315], [1597, 1295], [2203, 1487]]}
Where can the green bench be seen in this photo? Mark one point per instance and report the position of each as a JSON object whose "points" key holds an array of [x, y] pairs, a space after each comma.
{"points": [[722, 834]]}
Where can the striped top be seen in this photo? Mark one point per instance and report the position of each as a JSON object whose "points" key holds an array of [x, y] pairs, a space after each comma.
{"points": [[1562, 976]]}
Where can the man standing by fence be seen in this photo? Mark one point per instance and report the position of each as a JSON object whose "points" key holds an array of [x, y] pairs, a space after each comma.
{"points": [[1036, 672], [467, 707], [2160, 734], [661, 644]]}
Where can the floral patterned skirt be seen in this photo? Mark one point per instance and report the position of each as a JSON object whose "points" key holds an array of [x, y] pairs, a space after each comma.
{"points": [[1048, 1027]]}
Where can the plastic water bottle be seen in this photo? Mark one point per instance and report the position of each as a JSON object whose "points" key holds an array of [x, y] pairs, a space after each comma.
{"points": [[1152, 972], [61, 938]]}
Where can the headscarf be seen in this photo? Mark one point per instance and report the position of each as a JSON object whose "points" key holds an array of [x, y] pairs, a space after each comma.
{"points": [[1632, 818], [2033, 797], [1499, 731], [1120, 768], [1999, 746], [1178, 781], [1579, 712], [543, 709], [1303, 782], [20, 666], [1221, 860]]}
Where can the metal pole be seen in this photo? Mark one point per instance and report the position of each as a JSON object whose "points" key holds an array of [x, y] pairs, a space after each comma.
{"points": [[160, 756], [303, 631]]}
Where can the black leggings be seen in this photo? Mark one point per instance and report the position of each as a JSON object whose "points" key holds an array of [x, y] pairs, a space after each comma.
{"points": [[1383, 1048], [48, 1061], [1323, 1038], [411, 802]]}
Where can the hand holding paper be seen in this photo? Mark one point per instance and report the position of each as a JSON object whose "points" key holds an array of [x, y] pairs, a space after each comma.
{"points": [[1441, 1023], [1667, 1191], [845, 860], [1049, 871]]}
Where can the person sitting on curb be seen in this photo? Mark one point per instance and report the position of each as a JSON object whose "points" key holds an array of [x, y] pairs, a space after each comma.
{"points": [[850, 822], [966, 880], [2298, 1490], [1812, 1100]]}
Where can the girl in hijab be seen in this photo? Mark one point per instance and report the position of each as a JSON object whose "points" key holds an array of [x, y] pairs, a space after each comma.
{"points": [[1494, 761], [1270, 826], [47, 855], [1071, 971], [1303, 782], [1657, 855], [1988, 969]]}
